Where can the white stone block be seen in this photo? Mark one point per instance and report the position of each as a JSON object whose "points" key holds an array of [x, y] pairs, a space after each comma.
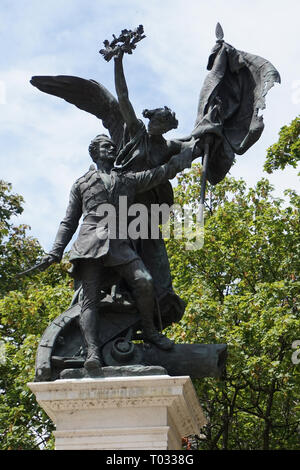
{"points": [[144, 412]]}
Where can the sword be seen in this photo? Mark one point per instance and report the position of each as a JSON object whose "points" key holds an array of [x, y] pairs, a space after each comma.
{"points": [[40, 267]]}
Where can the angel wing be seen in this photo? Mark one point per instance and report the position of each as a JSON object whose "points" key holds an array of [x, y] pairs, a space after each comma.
{"points": [[87, 95]]}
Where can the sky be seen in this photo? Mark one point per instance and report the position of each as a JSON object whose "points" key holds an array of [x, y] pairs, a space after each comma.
{"points": [[44, 140]]}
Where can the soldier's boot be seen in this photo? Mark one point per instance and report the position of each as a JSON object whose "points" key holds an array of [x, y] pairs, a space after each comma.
{"points": [[88, 325], [93, 359], [158, 339], [144, 297], [151, 335]]}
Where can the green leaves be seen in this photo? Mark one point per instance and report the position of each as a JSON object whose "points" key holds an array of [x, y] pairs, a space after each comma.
{"points": [[27, 306], [242, 289], [24, 317], [287, 150], [17, 249], [22, 424]]}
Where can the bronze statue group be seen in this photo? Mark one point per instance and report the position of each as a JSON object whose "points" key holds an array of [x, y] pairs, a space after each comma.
{"points": [[137, 163]]}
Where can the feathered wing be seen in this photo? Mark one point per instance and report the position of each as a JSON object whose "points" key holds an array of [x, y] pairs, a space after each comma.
{"points": [[88, 95]]}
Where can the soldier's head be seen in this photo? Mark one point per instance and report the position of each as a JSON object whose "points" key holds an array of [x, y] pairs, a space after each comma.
{"points": [[102, 151], [161, 120]]}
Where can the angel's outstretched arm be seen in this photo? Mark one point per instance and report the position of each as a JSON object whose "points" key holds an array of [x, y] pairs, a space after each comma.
{"points": [[126, 107], [175, 146]]}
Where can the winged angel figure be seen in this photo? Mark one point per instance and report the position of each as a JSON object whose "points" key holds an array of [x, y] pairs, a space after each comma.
{"points": [[227, 123]]}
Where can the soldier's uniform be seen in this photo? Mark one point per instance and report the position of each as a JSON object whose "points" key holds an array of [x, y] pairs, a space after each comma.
{"points": [[97, 258]]}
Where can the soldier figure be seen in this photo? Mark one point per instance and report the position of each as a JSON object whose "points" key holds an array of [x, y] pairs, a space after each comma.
{"points": [[99, 260]]}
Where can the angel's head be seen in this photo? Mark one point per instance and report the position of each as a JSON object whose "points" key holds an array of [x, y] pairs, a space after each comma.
{"points": [[161, 120], [102, 151]]}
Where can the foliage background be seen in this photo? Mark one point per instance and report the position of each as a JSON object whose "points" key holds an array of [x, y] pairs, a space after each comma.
{"points": [[242, 289]]}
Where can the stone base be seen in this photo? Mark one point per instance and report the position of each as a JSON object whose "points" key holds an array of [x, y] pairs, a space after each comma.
{"points": [[121, 413]]}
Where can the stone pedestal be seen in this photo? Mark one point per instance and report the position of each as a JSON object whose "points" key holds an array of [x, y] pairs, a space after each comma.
{"points": [[121, 413]]}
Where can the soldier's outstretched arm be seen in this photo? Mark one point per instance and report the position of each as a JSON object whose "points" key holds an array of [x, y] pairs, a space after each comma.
{"points": [[65, 232]]}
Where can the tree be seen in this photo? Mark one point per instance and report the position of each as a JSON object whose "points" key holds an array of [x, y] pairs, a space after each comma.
{"points": [[25, 314], [286, 151], [17, 249], [242, 288], [27, 306]]}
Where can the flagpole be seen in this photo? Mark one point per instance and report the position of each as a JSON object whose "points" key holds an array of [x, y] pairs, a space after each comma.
{"points": [[204, 179]]}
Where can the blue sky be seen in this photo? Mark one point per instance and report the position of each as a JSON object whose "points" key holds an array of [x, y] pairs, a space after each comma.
{"points": [[44, 140]]}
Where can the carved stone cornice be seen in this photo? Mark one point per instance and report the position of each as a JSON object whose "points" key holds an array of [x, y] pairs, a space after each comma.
{"points": [[172, 399]]}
